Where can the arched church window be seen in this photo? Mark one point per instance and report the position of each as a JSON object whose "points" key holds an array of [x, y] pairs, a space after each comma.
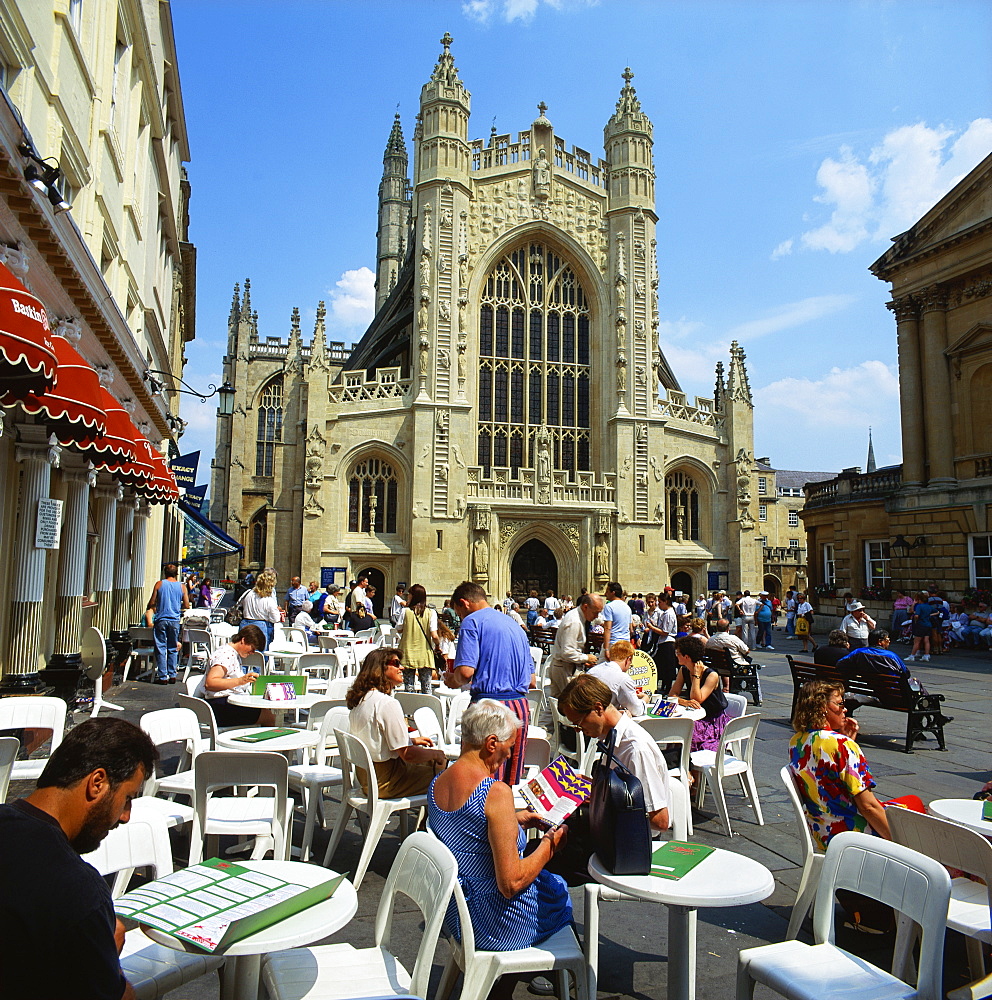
{"points": [[269, 427], [258, 538], [682, 522], [372, 497], [534, 362]]}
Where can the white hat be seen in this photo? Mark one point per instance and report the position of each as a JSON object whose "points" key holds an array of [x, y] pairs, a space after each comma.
{"points": [[762, 593], [855, 606]]}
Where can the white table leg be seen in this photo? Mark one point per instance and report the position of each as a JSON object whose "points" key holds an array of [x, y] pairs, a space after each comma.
{"points": [[681, 953], [241, 978]]}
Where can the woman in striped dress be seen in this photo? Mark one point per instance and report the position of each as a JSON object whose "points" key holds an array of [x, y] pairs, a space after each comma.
{"points": [[514, 903]]}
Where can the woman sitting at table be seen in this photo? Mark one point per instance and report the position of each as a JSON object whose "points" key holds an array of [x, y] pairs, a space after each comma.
{"points": [[832, 776], [259, 606], [226, 675], [402, 766], [702, 689], [514, 903]]}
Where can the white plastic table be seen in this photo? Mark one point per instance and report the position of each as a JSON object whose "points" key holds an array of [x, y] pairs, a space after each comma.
{"points": [[299, 739], [244, 957], [279, 708], [681, 712], [721, 879], [275, 653], [964, 812]]}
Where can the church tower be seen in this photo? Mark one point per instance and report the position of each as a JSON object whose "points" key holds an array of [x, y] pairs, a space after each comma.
{"points": [[394, 207]]}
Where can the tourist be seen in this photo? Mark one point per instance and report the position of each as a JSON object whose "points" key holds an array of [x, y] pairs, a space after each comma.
{"points": [[204, 594], [877, 658], [295, 597], [664, 648], [418, 638], [532, 604], [568, 652], [259, 606], [494, 655], [836, 648], [746, 606], [168, 599], [804, 622], [763, 621], [403, 766], [616, 617], [551, 604], [225, 675], [512, 901], [446, 643], [60, 935], [333, 607], [901, 610], [306, 621], [790, 613], [699, 687], [397, 605], [613, 673], [923, 616], [856, 625]]}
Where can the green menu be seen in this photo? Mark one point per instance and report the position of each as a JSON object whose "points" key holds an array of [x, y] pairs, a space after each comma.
{"points": [[264, 734], [677, 858], [215, 903]]}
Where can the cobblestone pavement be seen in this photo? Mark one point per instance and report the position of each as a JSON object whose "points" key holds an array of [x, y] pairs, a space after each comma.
{"points": [[633, 950]]}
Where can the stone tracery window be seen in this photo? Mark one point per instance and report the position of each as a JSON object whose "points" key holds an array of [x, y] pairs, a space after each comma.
{"points": [[269, 427], [682, 507], [370, 478], [533, 362]]}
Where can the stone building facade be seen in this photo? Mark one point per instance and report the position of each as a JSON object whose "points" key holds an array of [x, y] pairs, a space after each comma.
{"points": [[928, 520], [500, 419]]}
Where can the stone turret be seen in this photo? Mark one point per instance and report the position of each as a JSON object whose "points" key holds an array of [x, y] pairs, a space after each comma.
{"points": [[738, 407], [394, 206], [628, 138], [445, 106]]}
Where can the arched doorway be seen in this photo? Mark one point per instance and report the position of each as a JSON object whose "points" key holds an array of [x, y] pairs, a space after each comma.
{"points": [[377, 580], [534, 567], [683, 582], [773, 585]]}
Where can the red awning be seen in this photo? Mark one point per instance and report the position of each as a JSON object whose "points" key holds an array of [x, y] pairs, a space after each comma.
{"points": [[163, 488], [27, 357], [72, 408], [138, 472], [115, 446]]}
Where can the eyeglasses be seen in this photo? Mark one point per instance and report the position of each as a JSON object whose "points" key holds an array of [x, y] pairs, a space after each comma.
{"points": [[393, 663], [577, 726]]}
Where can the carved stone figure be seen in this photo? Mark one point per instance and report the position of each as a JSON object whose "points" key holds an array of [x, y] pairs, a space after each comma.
{"points": [[601, 558], [462, 307], [543, 455], [444, 310], [542, 174], [621, 373], [459, 461], [459, 507], [373, 503], [655, 469], [445, 218], [424, 455], [480, 557], [443, 359], [442, 263], [461, 358], [424, 348], [463, 270], [659, 513], [425, 268], [747, 522], [680, 523]]}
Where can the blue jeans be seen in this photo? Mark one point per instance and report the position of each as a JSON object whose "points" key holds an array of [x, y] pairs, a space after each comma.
{"points": [[267, 630], [764, 633], [790, 623], [166, 654]]}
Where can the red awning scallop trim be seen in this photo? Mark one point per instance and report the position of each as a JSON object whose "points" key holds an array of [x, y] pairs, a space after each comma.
{"points": [[27, 357], [72, 408], [116, 446]]}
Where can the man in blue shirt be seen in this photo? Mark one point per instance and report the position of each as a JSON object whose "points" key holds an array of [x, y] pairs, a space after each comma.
{"points": [[168, 598], [616, 617], [295, 597], [493, 654], [877, 658]]}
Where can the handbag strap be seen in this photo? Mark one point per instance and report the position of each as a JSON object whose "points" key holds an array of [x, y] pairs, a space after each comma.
{"points": [[420, 622], [607, 748]]}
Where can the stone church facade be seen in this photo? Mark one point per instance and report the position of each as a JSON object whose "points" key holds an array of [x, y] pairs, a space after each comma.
{"points": [[500, 419]]}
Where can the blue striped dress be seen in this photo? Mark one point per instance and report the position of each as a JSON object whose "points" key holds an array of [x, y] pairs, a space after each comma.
{"points": [[500, 924]]}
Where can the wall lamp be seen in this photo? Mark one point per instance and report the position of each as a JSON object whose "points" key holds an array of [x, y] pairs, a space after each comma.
{"points": [[224, 394], [44, 177], [903, 547], [176, 424]]}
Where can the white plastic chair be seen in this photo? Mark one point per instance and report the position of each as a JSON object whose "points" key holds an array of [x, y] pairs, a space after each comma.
{"points": [[311, 779], [535, 701], [456, 707], [666, 732], [424, 871], [560, 953], [812, 859], [9, 746], [150, 809], [200, 647], [152, 969], [561, 726], [716, 766], [33, 713], [173, 725], [354, 754], [410, 701], [205, 717], [968, 914], [338, 688], [910, 883], [736, 705], [266, 818], [427, 725], [320, 666], [142, 650]]}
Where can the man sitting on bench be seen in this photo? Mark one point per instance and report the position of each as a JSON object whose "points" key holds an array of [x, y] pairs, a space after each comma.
{"points": [[723, 638], [877, 658]]}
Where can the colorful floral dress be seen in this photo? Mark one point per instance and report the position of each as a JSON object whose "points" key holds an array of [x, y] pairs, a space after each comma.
{"points": [[830, 770]]}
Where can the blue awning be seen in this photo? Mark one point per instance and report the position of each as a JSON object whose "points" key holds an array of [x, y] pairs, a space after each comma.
{"points": [[203, 538]]}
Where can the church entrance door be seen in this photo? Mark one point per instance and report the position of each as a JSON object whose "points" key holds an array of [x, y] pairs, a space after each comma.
{"points": [[377, 580], [534, 567], [683, 582]]}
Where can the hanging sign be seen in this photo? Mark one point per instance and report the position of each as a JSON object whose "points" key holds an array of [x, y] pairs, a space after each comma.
{"points": [[196, 496], [184, 469], [48, 527]]}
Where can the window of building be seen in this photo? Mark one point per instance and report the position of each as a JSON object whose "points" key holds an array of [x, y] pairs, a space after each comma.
{"points": [[877, 563], [76, 16], [793, 518], [793, 543], [980, 550], [829, 568], [257, 538], [790, 491], [372, 493], [269, 427], [762, 485], [683, 507], [761, 540], [534, 364], [762, 512]]}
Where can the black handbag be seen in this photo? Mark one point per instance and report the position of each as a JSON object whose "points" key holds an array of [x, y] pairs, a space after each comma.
{"points": [[440, 663], [618, 821]]}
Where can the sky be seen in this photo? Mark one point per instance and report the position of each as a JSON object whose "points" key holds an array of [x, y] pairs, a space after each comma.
{"points": [[792, 141]]}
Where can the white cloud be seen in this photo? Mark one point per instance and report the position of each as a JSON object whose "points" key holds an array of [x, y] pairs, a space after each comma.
{"points": [[516, 10], [875, 197], [352, 300], [782, 250], [791, 315]]}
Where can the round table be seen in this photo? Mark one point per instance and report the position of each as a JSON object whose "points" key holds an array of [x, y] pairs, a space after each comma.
{"points": [[244, 957], [964, 812], [278, 708], [721, 879], [299, 739], [681, 712]]}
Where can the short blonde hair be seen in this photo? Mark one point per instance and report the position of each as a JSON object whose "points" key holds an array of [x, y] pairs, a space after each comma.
{"points": [[265, 583]]}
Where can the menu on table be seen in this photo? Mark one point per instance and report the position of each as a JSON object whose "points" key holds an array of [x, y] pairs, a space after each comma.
{"points": [[677, 858], [215, 903], [556, 792], [263, 734]]}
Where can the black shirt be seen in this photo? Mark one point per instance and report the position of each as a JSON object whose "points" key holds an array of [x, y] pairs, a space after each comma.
{"points": [[829, 655], [56, 914]]}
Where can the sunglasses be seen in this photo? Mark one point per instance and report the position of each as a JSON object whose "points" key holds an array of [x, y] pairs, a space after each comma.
{"points": [[393, 663]]}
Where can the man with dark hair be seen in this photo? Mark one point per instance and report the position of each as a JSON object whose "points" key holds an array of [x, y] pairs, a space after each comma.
{"points": [[836, 649], [663, 653], [494, 655], [875, 657], [60, 937], [168, 599]]}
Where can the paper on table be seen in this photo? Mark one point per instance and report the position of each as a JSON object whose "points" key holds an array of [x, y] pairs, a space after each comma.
{"points": [[556, 792], [677, 858]]}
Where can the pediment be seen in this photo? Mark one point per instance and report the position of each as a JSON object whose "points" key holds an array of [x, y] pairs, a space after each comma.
{"points": [[977, 339]]}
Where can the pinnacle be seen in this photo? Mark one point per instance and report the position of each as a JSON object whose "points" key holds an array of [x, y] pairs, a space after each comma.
{"points": [[396, 144], [445, 71]]}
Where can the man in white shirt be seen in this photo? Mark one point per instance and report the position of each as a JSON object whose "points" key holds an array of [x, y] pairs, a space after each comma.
{"points": [[856, 625], [551, 603], [613, 673], [790, 614], [568, 653], [616, 617], [663, 653], [514, 613], [508, 601], [396, 606], [723, 638], [747, 606]]}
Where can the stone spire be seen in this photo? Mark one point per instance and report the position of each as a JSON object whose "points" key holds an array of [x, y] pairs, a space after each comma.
{"points": [[628, 116], [720, 389], [293, 348], [871, 466], [318, 351], [629, 144], [235, 314], [738, 386], [396, 144], [394, 206], [446, 72], [246, 301]]}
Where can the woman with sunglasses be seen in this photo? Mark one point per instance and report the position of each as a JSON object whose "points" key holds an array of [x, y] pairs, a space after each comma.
{"points": [[403, 766]]}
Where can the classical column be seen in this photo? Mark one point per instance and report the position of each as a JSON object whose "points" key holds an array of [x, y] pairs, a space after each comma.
{"points": [[139, 548], [122, 565], [910, 390], [72, 569], [36, 458], [103, 577], [937, 414]]}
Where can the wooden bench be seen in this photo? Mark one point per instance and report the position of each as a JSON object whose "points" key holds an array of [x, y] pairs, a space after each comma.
{"points": [[543, 638], [888, 691], [743, 676]]}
